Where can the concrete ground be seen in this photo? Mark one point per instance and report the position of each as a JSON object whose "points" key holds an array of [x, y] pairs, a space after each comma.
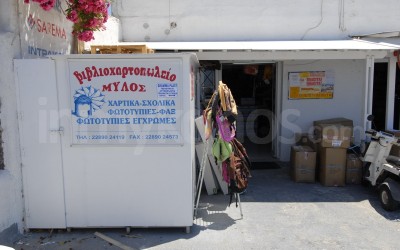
{"points": [[278, 214]]}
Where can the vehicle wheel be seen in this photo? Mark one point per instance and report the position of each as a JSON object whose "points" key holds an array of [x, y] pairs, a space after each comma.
{"points": [[386, 199]]}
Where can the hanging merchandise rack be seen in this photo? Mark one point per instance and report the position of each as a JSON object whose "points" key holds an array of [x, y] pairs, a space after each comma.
{"points": [[220, 122]]}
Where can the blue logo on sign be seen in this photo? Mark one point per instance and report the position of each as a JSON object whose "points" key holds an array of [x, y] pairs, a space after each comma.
{"points": [[87, 100]]}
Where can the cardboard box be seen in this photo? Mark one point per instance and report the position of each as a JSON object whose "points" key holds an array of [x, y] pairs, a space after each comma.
{"points": [[305, 139], [334, 133], [303, 161], [394, 132], [353, 169], [395, 151], [339, 120], [332, 170]]}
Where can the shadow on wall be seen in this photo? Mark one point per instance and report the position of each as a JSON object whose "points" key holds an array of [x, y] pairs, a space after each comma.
{"points": [[9, 235]]}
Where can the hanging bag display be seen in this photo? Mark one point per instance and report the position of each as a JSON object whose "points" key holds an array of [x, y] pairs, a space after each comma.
{"points": [[228, 104], [221, 149], [208, 113], [238, 169], [226, 129]]}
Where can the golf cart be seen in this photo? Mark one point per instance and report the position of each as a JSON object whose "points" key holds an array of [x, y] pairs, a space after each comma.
{"points": [[382, 170]]}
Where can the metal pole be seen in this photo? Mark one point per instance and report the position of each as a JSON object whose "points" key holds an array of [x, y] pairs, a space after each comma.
{"points": [[240, 205], [201, 177]]}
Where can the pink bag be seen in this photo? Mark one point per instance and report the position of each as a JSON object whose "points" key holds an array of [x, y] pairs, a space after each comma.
{"points": [[225, 174], [225, 128]]}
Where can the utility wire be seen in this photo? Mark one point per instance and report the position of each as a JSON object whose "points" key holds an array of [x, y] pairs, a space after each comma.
{"points": [[318, 24]]}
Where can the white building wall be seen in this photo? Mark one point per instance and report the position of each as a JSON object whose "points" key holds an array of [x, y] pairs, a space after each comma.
{"points": [[21, 36], [223, 20], [347, 101], [11, 209], [110, 36]]}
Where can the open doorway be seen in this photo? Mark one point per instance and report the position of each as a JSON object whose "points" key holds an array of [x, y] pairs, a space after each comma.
{"points": [[253, 88], [379, 95]]}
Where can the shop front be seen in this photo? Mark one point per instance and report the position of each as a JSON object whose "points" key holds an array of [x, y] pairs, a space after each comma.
{"points": [[281, 87]]}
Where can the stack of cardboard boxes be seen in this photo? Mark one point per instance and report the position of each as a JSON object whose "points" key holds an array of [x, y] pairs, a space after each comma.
{"points": [[324, 154], [333, 136]]}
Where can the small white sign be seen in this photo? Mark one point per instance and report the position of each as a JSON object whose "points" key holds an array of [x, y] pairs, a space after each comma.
{"points": [[167, 90], [336, 143]]}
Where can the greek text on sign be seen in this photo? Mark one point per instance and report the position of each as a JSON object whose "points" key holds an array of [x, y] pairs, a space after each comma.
{"points": [[167, 89], [130, 102], [311, 85]]}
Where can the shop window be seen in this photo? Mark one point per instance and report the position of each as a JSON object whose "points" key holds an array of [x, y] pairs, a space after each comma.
{"points": [[207, 80]]}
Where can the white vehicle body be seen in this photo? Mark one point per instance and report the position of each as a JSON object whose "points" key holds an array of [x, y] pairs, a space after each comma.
{"points": [[383, 170]]}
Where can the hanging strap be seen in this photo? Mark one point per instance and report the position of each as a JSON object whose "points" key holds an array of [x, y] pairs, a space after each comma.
{"points": [[211, 99]]}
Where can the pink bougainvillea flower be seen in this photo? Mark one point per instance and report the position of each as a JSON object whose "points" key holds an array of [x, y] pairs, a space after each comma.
{"points": [[87, 15], [73, 16], [42, 1], [105, 18], [86, 36], [48, 5], [45, 4]]}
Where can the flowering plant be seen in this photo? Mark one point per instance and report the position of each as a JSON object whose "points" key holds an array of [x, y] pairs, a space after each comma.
{"points": [[87, 15], [45, 4]]}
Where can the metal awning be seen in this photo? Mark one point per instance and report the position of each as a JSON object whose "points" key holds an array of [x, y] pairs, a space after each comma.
{"points": [[271, 45], [276, 50]]}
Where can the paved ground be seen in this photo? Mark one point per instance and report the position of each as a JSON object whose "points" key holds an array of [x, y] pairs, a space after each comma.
{"points": [[278, 214]]}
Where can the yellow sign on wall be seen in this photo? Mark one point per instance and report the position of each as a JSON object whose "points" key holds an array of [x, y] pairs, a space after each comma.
{"points": [[311, 85]]}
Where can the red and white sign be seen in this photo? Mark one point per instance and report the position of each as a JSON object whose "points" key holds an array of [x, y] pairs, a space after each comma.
{"points": [[116, 102], [44, 33]]}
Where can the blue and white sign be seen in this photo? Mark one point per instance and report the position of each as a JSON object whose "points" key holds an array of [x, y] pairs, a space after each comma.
{"points": [[126, 101], [167, 90]]}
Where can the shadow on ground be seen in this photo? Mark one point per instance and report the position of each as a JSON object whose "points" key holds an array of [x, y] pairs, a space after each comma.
{"points": [[267, 186]]}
